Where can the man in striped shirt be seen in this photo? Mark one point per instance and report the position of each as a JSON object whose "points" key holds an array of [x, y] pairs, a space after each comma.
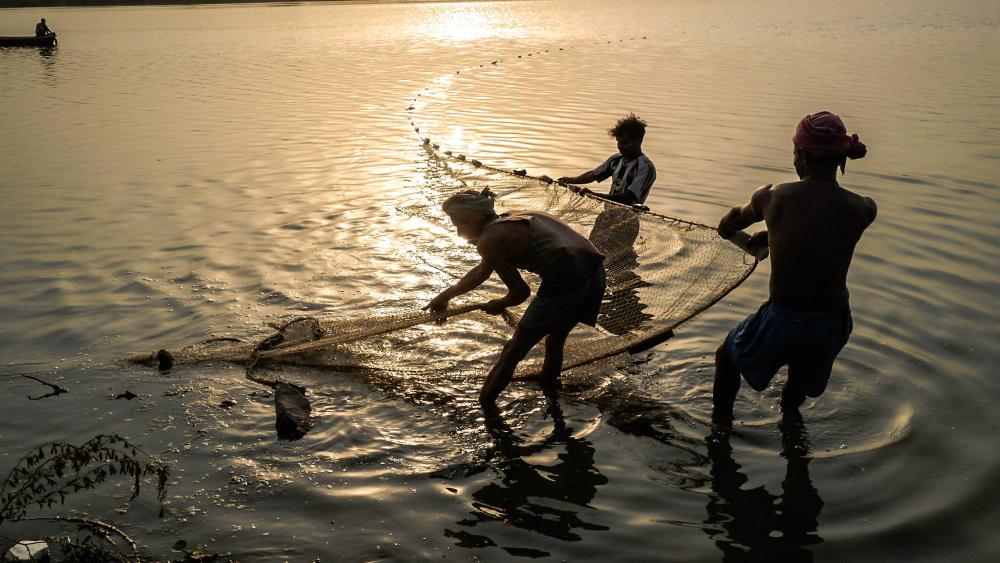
{"points": [[631, 172]]}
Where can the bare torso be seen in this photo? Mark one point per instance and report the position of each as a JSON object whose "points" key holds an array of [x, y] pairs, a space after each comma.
{"points": [[812, 229], [541, 244]]}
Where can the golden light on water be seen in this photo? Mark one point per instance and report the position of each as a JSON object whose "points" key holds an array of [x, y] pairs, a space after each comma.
{"points": [[473, 22], [465, 23]]}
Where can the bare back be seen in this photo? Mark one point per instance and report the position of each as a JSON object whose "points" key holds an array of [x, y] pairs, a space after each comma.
{"points": [[812, 229]]}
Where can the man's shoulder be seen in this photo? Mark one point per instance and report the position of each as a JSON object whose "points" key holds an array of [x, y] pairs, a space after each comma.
{"points": [[784, 186], [865, 204], [499, 237], [507, 225]]}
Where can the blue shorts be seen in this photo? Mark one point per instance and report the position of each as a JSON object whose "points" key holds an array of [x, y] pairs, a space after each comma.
{"points": [[806, 341], [559, 311]]}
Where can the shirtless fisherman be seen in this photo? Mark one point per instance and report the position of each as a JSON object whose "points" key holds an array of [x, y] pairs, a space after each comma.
{"points": [[813, 226], [571, 268]]}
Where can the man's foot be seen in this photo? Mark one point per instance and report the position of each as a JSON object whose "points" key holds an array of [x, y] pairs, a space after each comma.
{"points": [[794, 440]]}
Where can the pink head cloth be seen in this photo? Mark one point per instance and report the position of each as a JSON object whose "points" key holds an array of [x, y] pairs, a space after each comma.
{"points": [[824, 135]]}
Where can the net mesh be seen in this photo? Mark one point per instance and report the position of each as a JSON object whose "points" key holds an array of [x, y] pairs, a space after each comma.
{"points": [[661, 271]]}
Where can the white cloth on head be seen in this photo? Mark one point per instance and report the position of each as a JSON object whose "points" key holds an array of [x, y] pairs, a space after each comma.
{"points": [[469, 203]]}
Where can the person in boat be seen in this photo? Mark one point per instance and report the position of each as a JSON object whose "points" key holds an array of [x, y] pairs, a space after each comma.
{"points": [[632, 173], [570, 266], [42, 30], [813, 226]]}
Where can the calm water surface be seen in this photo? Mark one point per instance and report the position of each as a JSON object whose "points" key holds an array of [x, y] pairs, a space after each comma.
{"points": [[176, 173]]}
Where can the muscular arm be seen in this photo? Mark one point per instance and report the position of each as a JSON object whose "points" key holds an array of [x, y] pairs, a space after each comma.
{"points": [[517, 290], [742, 216], [872, 210], [494, 248]]}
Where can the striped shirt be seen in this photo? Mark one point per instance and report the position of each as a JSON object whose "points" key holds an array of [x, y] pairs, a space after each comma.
{"points": [[636, 176]]}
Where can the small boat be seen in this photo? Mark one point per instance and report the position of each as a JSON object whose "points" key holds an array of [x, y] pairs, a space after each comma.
{"points": [[28, 41]]}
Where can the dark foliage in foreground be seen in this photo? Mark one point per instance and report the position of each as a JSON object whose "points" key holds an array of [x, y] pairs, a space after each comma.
{"points": [[45, 476]]}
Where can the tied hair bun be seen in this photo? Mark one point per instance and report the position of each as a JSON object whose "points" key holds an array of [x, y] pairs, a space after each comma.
{"points": [[489, 193], [856, 149]]}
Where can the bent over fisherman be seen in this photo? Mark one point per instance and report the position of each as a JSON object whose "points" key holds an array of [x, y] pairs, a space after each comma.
{"points": [[570, 266]]}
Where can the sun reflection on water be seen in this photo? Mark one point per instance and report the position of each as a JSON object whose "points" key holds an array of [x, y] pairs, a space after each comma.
{"points": [[462, 23]]}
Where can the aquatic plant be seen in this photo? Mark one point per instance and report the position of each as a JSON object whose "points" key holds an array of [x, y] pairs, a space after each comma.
{"points": [[48, 474], [52, 471]]}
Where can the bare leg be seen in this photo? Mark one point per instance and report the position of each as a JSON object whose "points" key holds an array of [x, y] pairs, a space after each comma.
{"points": [[555, 343], [792, 398], [513, 352], [727, 383]]}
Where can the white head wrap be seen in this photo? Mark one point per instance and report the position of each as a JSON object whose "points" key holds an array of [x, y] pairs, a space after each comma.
{"points": [[470, 202]]}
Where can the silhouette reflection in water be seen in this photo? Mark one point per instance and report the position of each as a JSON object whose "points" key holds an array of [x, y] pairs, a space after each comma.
{"points": [[754, 525], [522, 495], [614, 234]]}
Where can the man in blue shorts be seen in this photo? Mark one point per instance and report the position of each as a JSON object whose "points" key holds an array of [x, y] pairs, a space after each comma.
{"points": [[571, 268], [813, 226]]}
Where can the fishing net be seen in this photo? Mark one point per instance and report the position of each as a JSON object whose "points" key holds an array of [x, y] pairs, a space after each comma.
{"points": [[661, 272]]}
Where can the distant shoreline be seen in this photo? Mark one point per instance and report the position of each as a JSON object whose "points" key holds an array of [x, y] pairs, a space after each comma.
{"points": [[91, 3]]}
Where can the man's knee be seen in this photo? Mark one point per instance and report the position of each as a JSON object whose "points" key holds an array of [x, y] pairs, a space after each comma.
{"points": [[520, 344], [722, 358], [556, 339]]}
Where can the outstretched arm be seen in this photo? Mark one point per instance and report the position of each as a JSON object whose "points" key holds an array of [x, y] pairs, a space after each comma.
{"points": [[626, 197], [585, 178], [471, 280]]}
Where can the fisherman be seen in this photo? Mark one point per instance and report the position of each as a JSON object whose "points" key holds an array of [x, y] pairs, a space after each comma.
{"points": [[42, 30], [813, 226], [617, 227], [571, 269], [631, 172]]}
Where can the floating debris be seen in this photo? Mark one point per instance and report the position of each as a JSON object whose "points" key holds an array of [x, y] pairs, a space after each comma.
{"points": [[28, 550], [292, 412]]}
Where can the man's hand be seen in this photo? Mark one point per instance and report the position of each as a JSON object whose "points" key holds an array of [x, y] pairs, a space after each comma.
{"points": [[757, 245], [567, 182], [438, 304], [495, 307]]}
